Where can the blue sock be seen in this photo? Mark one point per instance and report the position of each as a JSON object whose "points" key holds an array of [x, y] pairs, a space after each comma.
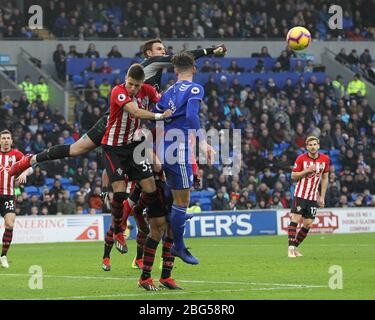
{"points": [[178, 222]]}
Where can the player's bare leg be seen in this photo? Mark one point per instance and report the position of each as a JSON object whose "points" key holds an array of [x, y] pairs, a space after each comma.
{"points": [[82, 146], [9, 219], [302, 234], [292, 232]]}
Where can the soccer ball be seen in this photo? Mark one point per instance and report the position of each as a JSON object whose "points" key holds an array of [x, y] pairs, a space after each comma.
{"points": [[298, 38]]}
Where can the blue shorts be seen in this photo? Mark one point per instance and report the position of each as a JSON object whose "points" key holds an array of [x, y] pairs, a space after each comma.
{"points": [[179, 176], [176, 166]]}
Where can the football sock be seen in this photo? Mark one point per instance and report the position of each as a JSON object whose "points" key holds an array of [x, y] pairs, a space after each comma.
{"points": [[116, 210], [178, 221], [168, 258], [108, 244], [7, 239], [292, 231], [141, 239], [302, 234], [148, 257]]}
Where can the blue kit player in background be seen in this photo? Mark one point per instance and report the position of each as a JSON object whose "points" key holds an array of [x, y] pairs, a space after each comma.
{"points": [[183, 98]]}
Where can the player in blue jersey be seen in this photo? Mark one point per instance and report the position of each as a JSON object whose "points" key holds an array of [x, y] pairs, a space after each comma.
{"points": [[183, 98]]}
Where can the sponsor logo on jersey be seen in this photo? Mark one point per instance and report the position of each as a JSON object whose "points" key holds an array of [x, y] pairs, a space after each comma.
{"points": [[195, 90], [121, 97]]}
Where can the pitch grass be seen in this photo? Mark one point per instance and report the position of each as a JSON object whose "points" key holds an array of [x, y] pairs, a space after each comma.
{"points": [[230, 268]]}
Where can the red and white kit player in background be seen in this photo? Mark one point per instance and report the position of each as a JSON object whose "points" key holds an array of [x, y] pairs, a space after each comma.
{"points": [[309, 170], [8, 157]]}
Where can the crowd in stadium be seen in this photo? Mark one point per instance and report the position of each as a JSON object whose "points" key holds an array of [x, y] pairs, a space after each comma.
{"points": [[166, 19], [362, 64], [274, 122]]}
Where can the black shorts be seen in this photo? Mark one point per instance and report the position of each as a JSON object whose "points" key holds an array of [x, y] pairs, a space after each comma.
{"points": [[7, 205], [97, 131], [307, 208], [119, 161]]}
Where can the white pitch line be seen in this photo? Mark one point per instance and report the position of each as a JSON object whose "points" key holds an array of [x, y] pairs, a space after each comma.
{"points": [[184, 281], [148, 294]]}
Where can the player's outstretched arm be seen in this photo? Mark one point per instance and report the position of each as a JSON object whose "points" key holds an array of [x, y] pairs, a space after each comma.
{"points": [[22, 178], [133, 109], [219, 50]]}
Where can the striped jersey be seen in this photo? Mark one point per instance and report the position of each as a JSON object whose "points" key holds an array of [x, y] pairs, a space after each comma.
{"points": [[7, 159], [122, 126], [307, 187]]}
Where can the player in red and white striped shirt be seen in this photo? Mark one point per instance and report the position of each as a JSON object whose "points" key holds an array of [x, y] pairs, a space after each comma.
{"points": [[129, 104], [309, 170], [8, 157]]}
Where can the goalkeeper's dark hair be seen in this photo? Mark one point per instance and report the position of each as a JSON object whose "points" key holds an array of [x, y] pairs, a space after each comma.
{"points": [[183, 61], [136, 72], [148, 45]]}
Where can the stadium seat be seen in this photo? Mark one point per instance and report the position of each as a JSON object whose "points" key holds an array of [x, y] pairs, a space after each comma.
{"points": [[31, 190], [49, 181], [73, 189], [207, 194], [65, 181]]}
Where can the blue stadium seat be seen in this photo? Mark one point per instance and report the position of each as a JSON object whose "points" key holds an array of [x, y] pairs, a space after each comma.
{"points": [[334, 153], [207, 194], [65, 181], [77, 80], [49, 181], [73, 190], [206, 207], [31, 190]]}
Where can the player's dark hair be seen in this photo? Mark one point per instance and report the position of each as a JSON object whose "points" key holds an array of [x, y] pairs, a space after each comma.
{"points": [[148, 45], [5, 132], [136, 72], [183, 61]]}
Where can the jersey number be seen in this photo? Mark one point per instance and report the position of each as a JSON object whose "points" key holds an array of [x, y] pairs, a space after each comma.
{"points": [[313, 211], [9, 205], [145, 165]]}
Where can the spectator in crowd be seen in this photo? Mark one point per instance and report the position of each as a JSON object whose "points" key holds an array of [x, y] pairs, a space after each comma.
{"points": [[41, 89], [206, 67], [195, 208], [72, 53], [234, 68], [219, 202], [92, 67], [92, 52], [95, 200], [59, 57], [356, 86], [342, 57], [114, 53], [64, 205], [105, 68]]}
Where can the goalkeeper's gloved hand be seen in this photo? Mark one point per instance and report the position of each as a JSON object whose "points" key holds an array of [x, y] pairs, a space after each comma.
{"points": [[220, 50]]}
